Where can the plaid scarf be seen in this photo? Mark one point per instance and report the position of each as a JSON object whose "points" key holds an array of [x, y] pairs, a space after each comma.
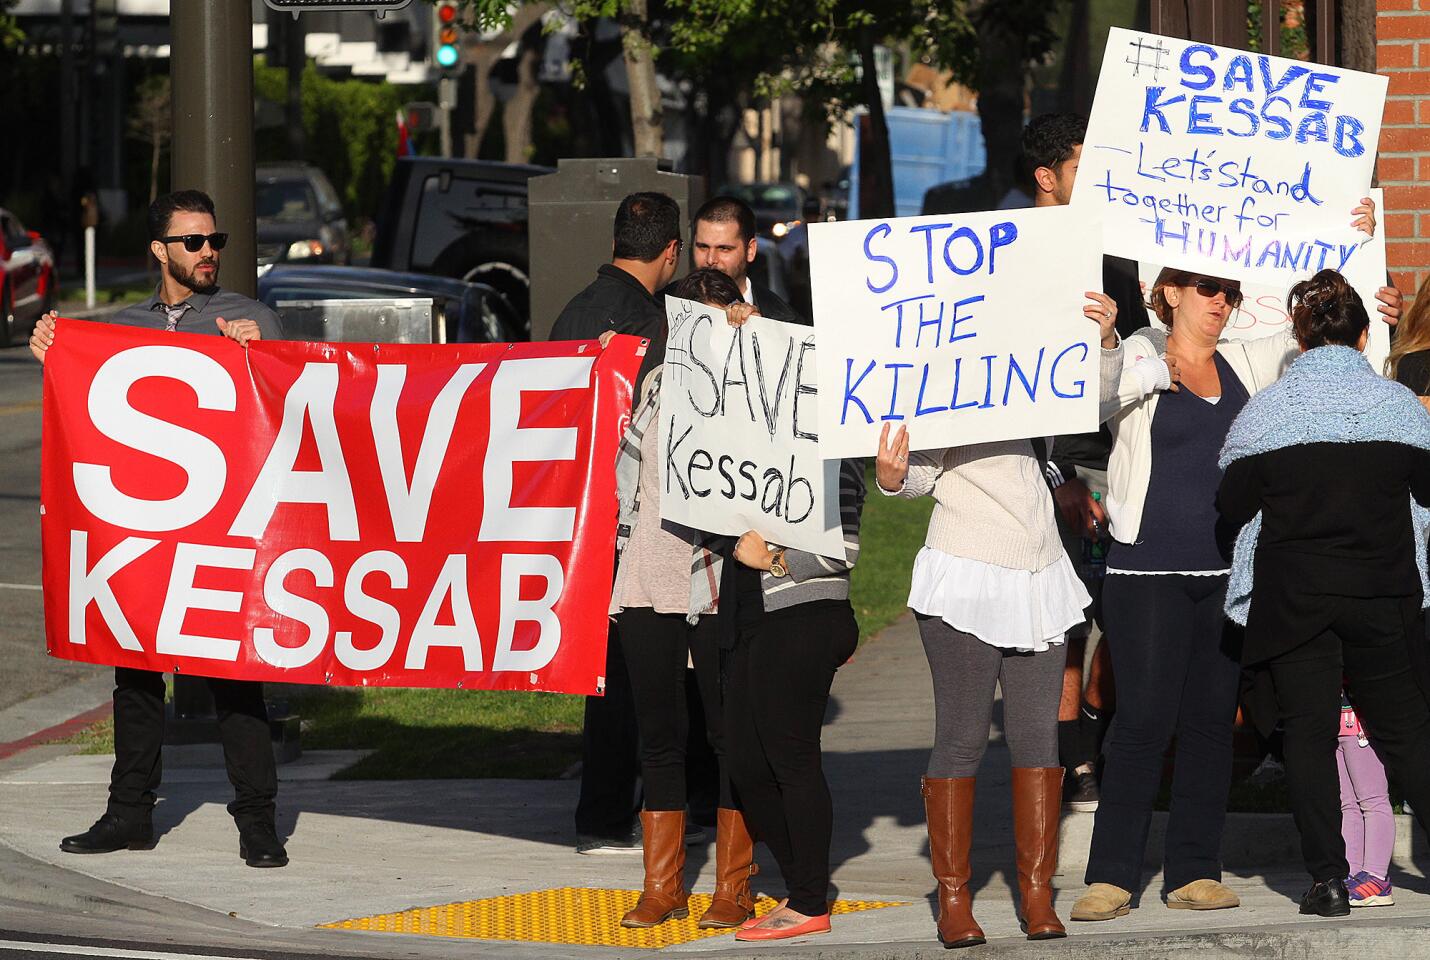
{"points": [[705, 561]]}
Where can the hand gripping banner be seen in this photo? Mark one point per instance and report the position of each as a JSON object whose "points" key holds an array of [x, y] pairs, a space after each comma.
{"points": [[350, 514]]}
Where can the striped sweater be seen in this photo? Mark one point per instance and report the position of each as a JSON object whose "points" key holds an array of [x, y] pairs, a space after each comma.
{"points": [[811, 577]]}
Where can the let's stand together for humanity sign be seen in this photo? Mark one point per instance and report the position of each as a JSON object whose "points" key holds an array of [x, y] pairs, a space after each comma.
{"points": [[1231, 163], [395, 515]]}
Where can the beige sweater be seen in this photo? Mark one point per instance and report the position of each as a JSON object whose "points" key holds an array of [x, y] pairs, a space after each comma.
{"points": [[991, 503]]}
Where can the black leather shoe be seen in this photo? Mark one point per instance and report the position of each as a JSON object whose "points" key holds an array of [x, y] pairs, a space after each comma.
{"points": [[259, 846], [1327, 899], [109, 834]]}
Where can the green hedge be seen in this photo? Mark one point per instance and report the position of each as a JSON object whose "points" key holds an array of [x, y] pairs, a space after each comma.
{"points": [[350, 127]]}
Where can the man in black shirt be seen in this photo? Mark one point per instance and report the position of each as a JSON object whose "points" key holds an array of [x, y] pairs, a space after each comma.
{"points": [[723, 236], [184, 240], [1077, 466], [643, 260]]}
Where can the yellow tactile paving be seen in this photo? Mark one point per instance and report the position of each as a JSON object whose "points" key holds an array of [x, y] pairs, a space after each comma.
{"points": [[568, 915]]}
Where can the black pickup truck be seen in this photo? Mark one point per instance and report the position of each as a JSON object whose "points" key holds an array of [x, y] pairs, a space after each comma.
{"points": [[459, 218]]}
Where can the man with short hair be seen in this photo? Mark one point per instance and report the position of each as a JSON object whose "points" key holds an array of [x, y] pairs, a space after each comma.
{"points": [[185, 241], [1077, 466], [723, 236], [644, 255]]}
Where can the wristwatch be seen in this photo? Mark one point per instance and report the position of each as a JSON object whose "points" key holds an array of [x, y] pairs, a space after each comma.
{"points": [[778, 568]]}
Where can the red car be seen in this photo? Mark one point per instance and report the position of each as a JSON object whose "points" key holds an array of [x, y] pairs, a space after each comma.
{"points": [[27, 278]]}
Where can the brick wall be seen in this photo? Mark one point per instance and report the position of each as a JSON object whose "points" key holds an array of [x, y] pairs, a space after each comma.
{"points": [[1403, 54]]}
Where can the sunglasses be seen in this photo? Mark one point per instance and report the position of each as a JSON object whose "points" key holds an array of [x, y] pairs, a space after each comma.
{"points": [[194, 242], [1209, 288]]}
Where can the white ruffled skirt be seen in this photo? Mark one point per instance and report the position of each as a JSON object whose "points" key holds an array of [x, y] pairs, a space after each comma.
{"points": [[1010, 609]]}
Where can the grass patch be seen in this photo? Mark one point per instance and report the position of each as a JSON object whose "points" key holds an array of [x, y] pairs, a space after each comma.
{"points": [[95, 739], [72, 294], [443, 734], [890, 535]]}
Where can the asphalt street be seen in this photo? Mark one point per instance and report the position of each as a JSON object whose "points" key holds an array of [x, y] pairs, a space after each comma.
{"points": [[28, 671]]}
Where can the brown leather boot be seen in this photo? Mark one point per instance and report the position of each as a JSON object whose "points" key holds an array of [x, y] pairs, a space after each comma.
{"points": [[1037, 804], [948, 804], [663, 847], [733, 902]]}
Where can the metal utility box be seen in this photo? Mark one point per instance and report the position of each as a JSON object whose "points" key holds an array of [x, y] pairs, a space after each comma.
{"points": [[571, 216], [387, 320]]}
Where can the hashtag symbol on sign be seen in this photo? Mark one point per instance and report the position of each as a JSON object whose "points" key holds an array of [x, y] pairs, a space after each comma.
{"points": [[1142, 49]]}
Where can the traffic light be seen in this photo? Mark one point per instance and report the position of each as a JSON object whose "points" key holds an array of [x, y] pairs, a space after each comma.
{"points": [[444, 30]]}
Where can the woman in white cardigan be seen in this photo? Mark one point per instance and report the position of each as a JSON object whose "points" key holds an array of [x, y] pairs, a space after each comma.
{"points": [[994, 592], [1177, 671]]}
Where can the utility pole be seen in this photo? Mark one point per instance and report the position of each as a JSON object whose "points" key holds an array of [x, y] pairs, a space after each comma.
{"points": [[211, 63]]}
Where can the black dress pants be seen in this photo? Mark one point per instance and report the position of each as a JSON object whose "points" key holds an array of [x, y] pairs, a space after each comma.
{"points": [[657, 647], [776, 692], [1177, 675], [610, 767], [1368, 648], [139, 739]]}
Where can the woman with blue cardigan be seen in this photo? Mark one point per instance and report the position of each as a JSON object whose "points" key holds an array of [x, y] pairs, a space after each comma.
{"points": [[1329, 471]]}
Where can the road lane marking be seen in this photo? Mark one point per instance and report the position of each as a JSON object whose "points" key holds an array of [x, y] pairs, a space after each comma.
{"points": [[20, 586], [20, 407], [87, 951]]}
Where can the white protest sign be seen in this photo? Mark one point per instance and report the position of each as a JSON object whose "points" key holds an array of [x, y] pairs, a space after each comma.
{"points": [[1228, 162], [739, 431], [1263, 307], [967, 328]]}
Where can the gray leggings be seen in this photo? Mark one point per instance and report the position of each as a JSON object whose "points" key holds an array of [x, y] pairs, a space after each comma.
{"points": [[964, 671]]}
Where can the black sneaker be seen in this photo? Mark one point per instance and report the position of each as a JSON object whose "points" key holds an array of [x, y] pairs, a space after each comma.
{"points": [[1082, 795], [109, 834], [1327, 899], [607, 846]]}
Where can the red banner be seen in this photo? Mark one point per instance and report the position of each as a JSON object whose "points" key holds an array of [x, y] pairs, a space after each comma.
{"points": [[349, 514]]}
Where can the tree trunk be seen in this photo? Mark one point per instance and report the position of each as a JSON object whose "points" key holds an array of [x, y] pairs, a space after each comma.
{"points": [[154, 168], [484, 102], [647, 120], [516, 117], [876, 168], [1002, 80], [1356, 35]]}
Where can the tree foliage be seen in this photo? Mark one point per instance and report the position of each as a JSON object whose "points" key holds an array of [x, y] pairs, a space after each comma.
{"points": [[350, 127]]}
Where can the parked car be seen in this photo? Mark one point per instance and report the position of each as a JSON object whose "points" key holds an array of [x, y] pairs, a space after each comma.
{"points": [[300, 218], [779, 207], [460, 218], [469, 312], [27, 278]]}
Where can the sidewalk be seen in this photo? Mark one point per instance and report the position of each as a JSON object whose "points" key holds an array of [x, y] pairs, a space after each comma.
{"points": [[361, 849]]}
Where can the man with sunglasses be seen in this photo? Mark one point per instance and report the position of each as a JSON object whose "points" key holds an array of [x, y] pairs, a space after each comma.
{"points": [[189, 300]]}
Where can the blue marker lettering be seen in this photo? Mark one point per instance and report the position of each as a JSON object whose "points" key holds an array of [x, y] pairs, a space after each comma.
{"points": [[894, 390], [885, 229], [919, 408], [1002, 235], [1206, 75], [953, 335], [1293, 72], [1079, 385], [953, 403], [1243, 107], [1316, 83], [1030, 388], [1152, 108], [1198, 120], [1238, 70], [850, 388], [927, 230], [1282, 125], [1348, 131], [972, 238]]}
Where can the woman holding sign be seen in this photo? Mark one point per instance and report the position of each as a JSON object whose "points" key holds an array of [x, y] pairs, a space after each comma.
{"points": [[664, 600], [1177, 671], [787, 616], [994, 593]]}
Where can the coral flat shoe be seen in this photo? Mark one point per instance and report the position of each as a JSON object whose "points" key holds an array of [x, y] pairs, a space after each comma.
{"points": [[809, 928]]}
